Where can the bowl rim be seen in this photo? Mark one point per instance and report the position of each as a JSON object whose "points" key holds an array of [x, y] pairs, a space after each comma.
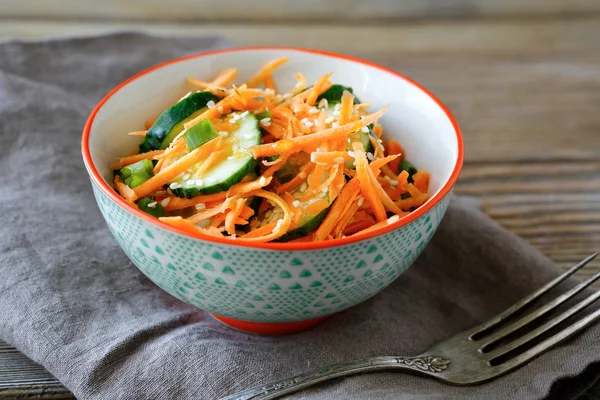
{"points": [[301, 246]]}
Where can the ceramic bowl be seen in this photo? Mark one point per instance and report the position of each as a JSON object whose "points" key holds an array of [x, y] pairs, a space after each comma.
{"points": [[274, 287]]}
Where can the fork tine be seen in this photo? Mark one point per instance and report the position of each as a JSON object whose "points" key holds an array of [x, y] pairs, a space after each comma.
{"points": [[550, 342], [540, 311], [524, 302], [545, 327]]}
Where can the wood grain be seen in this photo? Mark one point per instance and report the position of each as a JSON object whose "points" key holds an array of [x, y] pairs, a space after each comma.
{"points": [[525, 90], [304, 11]]}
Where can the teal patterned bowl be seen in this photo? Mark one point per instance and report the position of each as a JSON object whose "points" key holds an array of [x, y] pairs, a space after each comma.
{"points": [[274, 287]]}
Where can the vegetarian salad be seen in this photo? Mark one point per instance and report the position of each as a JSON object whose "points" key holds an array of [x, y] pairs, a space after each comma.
{"points": [[253, 164]]}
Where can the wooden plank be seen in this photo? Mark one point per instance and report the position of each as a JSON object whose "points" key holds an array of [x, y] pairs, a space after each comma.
{"points": [[304, 11]]}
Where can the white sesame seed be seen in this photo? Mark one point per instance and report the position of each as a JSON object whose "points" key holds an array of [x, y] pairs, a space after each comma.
{"points": [[338, 160], [370, 156], [392, 219], [335, 125], [269, 91], [186, 177], [323, 103], [232, 121], [329, 120], [296, 203], [153, 204], [211, 104], [266, 123], [244, 114], [189, 183], [303, 187], [394, 182], [199, 182], [304, 120], [337, 106], [231, 158], [278, 226], [233, 237], [287, 95], [387, 177], [165, 202], [309, 124], [364, 129], [314, 110], [220, 109], [302, 174], [336, 113], [200, 206], [274, 145], [265, 120], [174, 185], [379, 141], [351, 153], [248, 136], [262, 181], [223, 133], [296, 109], [349, 141], [361, 201]]}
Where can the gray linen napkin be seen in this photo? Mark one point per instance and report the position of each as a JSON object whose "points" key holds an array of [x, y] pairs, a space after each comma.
{"points": [[72, 301]]}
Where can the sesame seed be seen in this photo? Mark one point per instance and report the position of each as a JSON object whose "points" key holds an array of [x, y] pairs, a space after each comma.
{"points": [[393, 182], [265, 120], [211, 104], [338, 160], [174, 185], [232, 121], [303, 187], [186, 177], [361, 201], [153, 204], [323, 103], [329, 120], [248, 136], [304, 120], [220, 109], [189, 183], [309, 124], [364, 129], [200, 206], [370, 156], [296, 203], [387, 177], [336, 113], [231, 158], [244, 114], [265, 123], [233, 237], [278, 226], [223, 133], [165, 202], [351, 153], [274, 145], [337, 106], [335, 125], [287, 95], [302, 174], [269, 91], [392, 219], [262, 181], [314, 110]]}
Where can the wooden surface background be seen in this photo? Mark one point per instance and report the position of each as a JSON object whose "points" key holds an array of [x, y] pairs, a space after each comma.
{"points": [[522, 78]]}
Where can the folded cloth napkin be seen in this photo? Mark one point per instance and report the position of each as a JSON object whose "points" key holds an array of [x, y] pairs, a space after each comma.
{"points": [[72, 301]]}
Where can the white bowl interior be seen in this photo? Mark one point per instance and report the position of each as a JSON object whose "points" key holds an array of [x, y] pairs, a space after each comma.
{"points": [[414, 119]]}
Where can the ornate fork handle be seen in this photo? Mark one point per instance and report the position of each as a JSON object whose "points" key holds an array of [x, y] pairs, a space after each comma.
{"points": [[428, 365]]}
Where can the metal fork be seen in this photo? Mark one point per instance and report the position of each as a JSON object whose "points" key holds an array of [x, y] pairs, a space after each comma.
{"points": [[471, 357]]}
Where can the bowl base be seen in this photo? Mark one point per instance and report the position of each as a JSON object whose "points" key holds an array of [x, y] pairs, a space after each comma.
{"points": [[269, 328]]}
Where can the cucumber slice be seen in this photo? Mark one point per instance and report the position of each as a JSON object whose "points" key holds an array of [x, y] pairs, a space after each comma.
{"points": [[230, 171], [170, 123]]}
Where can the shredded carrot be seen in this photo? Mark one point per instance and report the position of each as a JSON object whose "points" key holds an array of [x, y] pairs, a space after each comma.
{"points": [[127, 193], [138, 133], [211, 212], [125, 161], [395, 148], [346, 107], [269, 83], [249, 187], [358, 226], [298, 179], [330, 157], [213, 159], [345, 219], [343, 201], [317, 89], [281, 225], [421, 180], [368, 188], [301, 85], [380, 162], [266, 70], [170, 172], [214, 112], [381, 224], [233, 215], [378, 131], [224, 78]]}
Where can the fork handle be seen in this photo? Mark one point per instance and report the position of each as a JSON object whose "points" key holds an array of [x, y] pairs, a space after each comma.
{"points": [[427, 365]]}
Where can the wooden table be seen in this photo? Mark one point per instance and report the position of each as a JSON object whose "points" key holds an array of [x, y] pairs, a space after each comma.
{"points": [[522, 78]]}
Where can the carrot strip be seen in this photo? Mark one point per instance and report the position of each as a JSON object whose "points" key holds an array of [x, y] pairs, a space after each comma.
{"points": [[224, 78], [233, 215], [380, 162], [222, 107], [138, 133], [202, 84], [265, 71], [127, 193], [218, 219], [213, 158], [378, 131], [421, 180], [345, 219], [385, 222], [383, 196], [276, 167], [395, 148], [301, 85], [270, 83], [294, 144], [330, 157], [281, 225], [358, 226], [297, 180], [346, 107], [189, 227], [125, 161], [246, 212], [262, 231], [315, 91], [204, 214], [248, 187], [343, 201], [170, 172], [368, 187]]}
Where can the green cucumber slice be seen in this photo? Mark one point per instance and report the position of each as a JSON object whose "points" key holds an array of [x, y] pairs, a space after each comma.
{"points": [[170, 123], [230, 171]]}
